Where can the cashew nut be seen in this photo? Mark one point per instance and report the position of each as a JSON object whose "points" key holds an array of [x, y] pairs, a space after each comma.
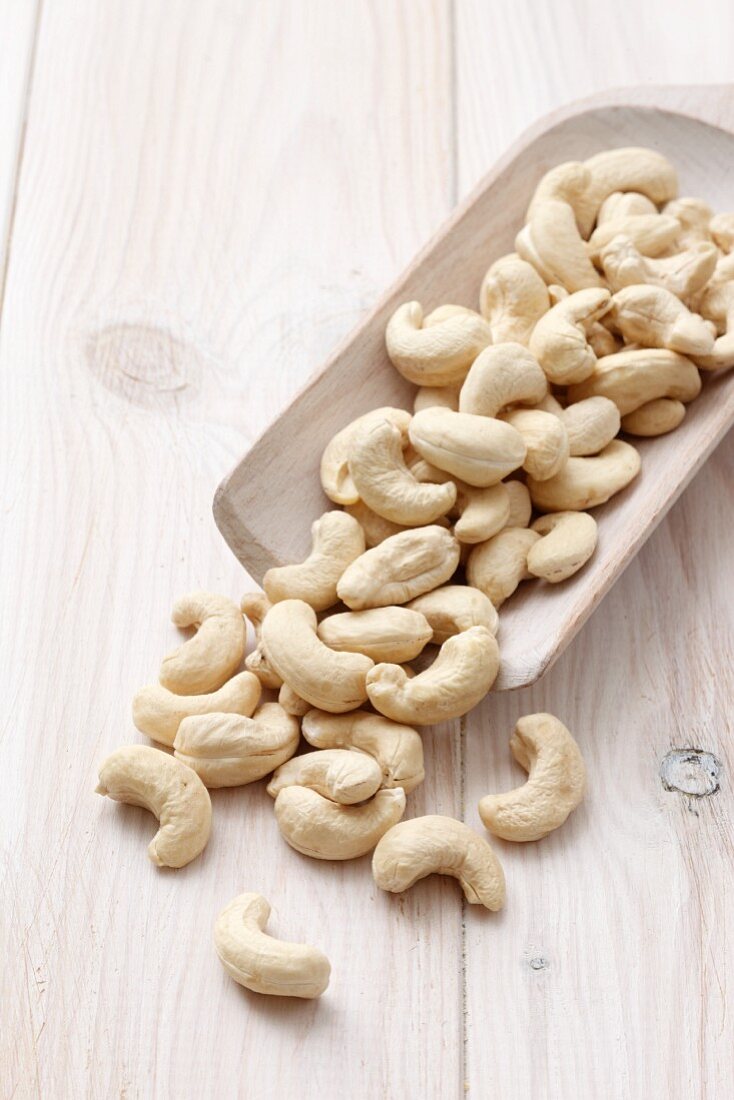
{"points": [[569, 182], [437, 354], [323, 829], [428, 397], [382, 633], [559, 340], [261, 963], [497, 566], [158, 713], [521, 507], [336, 540], [602, 341], [586, 482], [343, 776], [482, 512], [718, 301], [633, 168], [651, 234], [722, 230], [477, 449], [551, 242], [398, 749], [147, 777], [204, 662], [513, 297], [336, 480], [435, 845], [568, 539], [229, 750], [655, 418], [376, 528], [624, 204], [632, 378], [459, 678], [682, 274], [326, 679], [505, 374], [291, 702], [694, 216], [590, 424], [545, 438], [555, 786], [255, 606], [455, 608], [399, 569]]}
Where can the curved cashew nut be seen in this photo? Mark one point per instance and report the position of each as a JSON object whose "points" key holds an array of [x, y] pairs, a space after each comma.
{"points": [[455, 608], [513, 297], [586, 482], [654, 418], [429, 397], [694, 216], [602, 341], [336, 540], [477, 449], [683, 273], [291, 702], [633, 168], [569, 182], [521, 508], [505, 374], [438, 354], [158, 712], [718, 302], [255, 606], [568, 539], [545, 438], [556, 782], [204, 662], [459, 678], [399, 569], [551, 242], [147, 777], [651, 234], [329, 680], [382, 633], [715, 301], [722, 230], [482, 512], [376, 528], [260, 962], [323, 829], [336, 480], [229, 750], [385, 483], [591, 424], [497, 566], [559, 340], [398, 749], [632, 378], [338, 774], [435, 845], [624, 204]]}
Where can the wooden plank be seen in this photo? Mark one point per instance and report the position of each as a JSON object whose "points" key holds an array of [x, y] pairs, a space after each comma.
{"points": [[210, 195]]}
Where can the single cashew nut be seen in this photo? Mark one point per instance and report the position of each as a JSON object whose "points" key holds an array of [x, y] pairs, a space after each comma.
{"points": [[343, 776], [586, 482], [683, 273], [382, 633], [632, 378], [376, 528], [323, 829], [454, 608], [521, 508], [336, 540], [551, 242], [513, 297], [481, 512], [569, 182], [229, 750], [255, 606], [556, 782], [559, 340], [545, 438], [634, 168], [428, 397], [568, 539], [722, 230], [694, 216], [397, 748], [399, 569], [336, 480], [261, 963], [158, 712], [497, 566], [438, 354], [435, 845], [204, 662], [651, 234], [291, 702], [477, 449], [506, 374], [718, 302], [655, 418], [591, 424], [624, 204], [147, 777]]}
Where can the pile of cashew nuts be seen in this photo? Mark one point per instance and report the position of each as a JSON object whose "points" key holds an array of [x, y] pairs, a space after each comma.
{"points": [[618, 295]]}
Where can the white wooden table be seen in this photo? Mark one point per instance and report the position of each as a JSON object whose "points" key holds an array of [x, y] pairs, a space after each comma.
{"points": [[196, 201]]}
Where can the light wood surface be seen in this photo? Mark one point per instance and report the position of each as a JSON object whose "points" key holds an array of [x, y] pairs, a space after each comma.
{"points": [[209, 197]]}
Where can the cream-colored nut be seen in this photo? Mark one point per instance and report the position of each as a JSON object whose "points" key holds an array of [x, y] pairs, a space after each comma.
{"points": [[632, 378], [399, 569], [497, 566], [684, 273], [323, 829], [555, 786], [260, 962], [459, 678], [624, 204], [291, 702], [336, 480], [481, 512], [521, 507], [454, 608], [557, 294], [343, 776], [385, 483], [586, 482], [633, 168], [722, 353], [158, 712], [717, 297], [336, 540], [559, 340], [397, 748], [569, 182], [602, 341], [718, 301], [382, 633], [477, 449], [206, 661], [503, 375], [551, 242], [376, 528], [255, 606], [329, 680], [590, 424], [429, 397], [694, 216], [722, 230], [655, 418], [513, 297], [229, 750], [568, 539], [438, 354], [147, 777], [655, 318], [435, 845], [545, 438], [651, 234]]}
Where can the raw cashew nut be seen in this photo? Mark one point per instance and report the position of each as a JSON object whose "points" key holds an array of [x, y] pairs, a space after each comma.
{"points": [[568, 539], [651, 234], [323, 829], [591, 424], [336, 540], [632, 378], [586, 482], [158, 713], [683, 273], [261, 963], [336, 480], [291, 702], [455, 608], [655, 418], [497, 566], [506, 374], [147, 777], [551, 242], [624, 204], [694, 216], [376, 528], [718, 301], [545, 438], [398, 749], [382, 633], [255, 606], [568, 182], [521, 508], [722, 230], [459, 678], [482, 512], [633, 168], [556, 782], [559, 340], [602, 341], [513, 297], [436, 354], [343, 776], [206, 661], [229, 750], [399, 569], [428, 397], [477, 449], [329, 680], [435, 845]]}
